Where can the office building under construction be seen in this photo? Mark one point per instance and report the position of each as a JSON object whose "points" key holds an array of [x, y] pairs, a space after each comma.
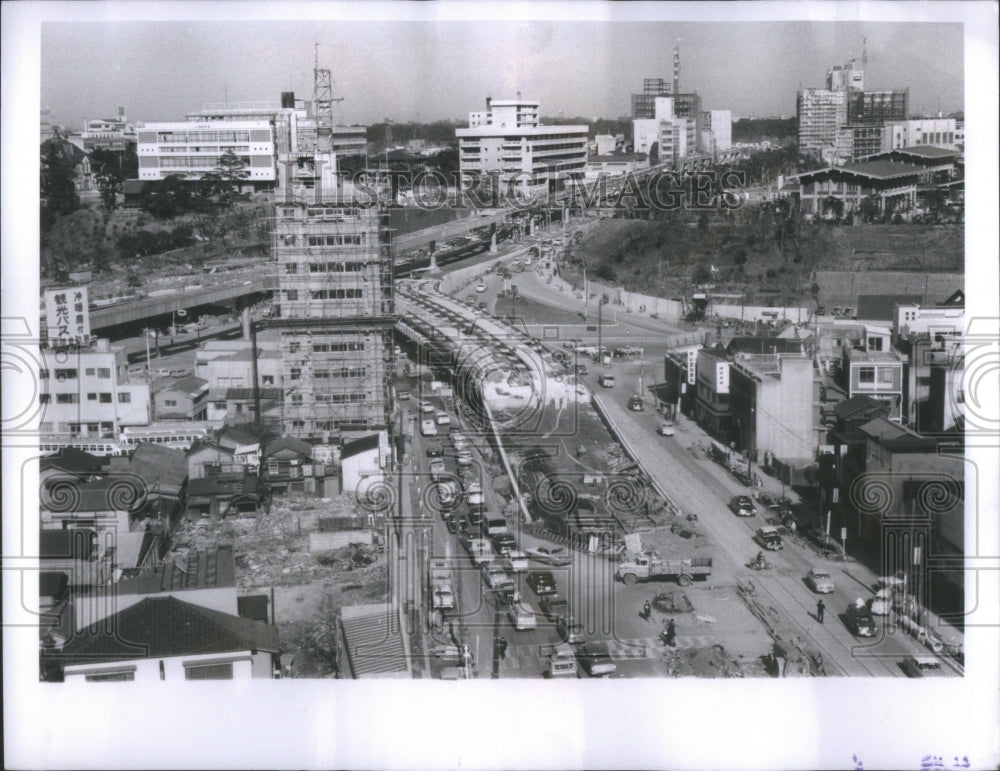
{"points": [[334, 305]]}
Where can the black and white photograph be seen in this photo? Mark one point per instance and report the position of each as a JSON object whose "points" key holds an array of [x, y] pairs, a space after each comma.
{"points": [[635, 365]]}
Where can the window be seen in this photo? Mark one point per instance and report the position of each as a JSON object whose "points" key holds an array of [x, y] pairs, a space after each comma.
{"points": [[117, 676], [209, 671], [103, 373], [170, 402], [92, 428], [296, 398], [92, 397], [45, 398], [292, 267], [267, 379], [885, 375], [866, 374], [105, 398], [67, 399], [219, 405], [292, 294], [89, 372], [295, 373], [124, 398], [43, 374], [66, 374]]}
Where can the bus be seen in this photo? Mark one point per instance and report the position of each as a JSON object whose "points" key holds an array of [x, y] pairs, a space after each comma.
{"points": [[51, 445], [180, 435]]}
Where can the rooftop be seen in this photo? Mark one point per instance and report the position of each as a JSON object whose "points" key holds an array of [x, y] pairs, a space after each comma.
{"points": [[166, 626], [875, 357], [882, 307], [195, 570], [893, 436]]}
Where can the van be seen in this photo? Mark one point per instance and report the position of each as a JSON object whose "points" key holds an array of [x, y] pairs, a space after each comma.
{"points": [[562, 662], [496, 525]]}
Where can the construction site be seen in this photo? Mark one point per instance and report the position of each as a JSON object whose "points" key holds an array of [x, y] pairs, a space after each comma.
{"points": [[334, 305]]}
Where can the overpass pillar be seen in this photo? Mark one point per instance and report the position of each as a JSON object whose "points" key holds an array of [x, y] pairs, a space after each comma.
{"points": [[245, 322], [493, 243]]}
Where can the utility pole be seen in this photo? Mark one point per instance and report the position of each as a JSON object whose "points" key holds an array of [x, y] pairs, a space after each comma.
{"points": [[600, 346]]}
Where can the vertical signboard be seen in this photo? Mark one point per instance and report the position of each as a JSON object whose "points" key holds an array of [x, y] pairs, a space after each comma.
{"points": [[67, 314]]}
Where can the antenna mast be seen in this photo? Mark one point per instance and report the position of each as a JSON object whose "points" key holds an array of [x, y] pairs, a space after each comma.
{"points": [[323, 101]]}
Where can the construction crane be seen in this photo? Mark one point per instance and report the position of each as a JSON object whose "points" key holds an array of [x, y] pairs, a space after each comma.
{"points": [[323, 101]]}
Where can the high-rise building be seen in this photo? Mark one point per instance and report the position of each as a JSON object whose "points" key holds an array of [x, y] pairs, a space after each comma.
{"points": [[335, 303], [845, 77], [508, 140], [719, 125], [877, 107], [820, 113]]}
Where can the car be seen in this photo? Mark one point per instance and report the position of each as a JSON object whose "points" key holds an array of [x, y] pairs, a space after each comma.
{"points": [[542, 582], [820, 581], [481, 306], [443, 418], [769, 538], [428, 428], [475, 515], [403, 395], [554, 606], [569, 630], [742, 506], [438, 469], [581, 370], [522, 617], [464, 457], [161, 372], [556, 556], [435, 450], [516, 561], [596, 659], [474, 490], [860, 621], [666, 428], [494, 574], [426, 407], [503, 543], [451, 522], [635, 403], [480, 287]]}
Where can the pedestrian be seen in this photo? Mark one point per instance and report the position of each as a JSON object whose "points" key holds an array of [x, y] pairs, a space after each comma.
{"points": [[647, 610], [671, 633], [820, 607]]}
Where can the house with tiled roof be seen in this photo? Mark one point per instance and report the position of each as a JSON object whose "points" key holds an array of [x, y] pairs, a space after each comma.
{"points": [[167, 639]]}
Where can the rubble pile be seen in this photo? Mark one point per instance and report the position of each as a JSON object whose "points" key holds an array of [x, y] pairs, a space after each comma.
{"points": [[711, 661], [273, 549]]}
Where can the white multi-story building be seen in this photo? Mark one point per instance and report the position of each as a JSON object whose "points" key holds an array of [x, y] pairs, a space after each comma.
{"points": [[108, 133], [719, 124], [86, 391], [192, 149], [507, 139], [645, 134], [939, 132]]}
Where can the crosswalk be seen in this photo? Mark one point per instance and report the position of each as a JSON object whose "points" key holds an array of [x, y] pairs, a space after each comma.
{"points": [[528, 660]]}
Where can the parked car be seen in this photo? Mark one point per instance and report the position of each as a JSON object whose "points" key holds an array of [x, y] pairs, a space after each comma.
{"points": [[769, 538], [542, 582], [860, 620], [742, 506], [820, 581], [596, 659], [556, 556], [480, 287], [666, 428]]}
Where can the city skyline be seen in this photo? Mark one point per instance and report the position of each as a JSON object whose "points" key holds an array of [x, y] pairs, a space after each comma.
{"points": [[373, 65]]}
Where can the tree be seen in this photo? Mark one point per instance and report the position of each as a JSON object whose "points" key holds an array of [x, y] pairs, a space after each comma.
{"points": [[109, 183], [833, 205], [224, 180], [869, 208], [58, 184]]}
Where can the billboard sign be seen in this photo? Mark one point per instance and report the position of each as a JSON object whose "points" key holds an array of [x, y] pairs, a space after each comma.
{"points": [[67, 314]]}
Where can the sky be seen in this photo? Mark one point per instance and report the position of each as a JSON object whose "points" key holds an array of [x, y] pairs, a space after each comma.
{"points": [[426, 70]]}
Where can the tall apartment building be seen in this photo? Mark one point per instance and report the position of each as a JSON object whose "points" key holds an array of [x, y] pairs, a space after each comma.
{"points": [[335, 306], [507, 139], [85, 390], [193, 149], [820, 113]]}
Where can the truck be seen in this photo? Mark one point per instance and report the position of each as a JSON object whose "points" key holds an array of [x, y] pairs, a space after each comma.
{"points": [[562, 661], [645, 566], [441, 584]]}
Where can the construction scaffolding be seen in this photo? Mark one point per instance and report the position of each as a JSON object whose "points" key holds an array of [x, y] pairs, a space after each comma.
{"points": [[335, 311]]}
